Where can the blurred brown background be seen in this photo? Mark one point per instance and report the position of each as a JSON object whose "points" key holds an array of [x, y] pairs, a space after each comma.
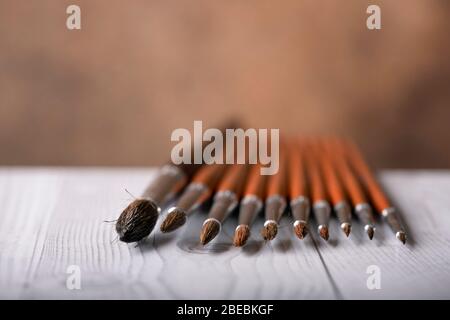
{"points": [[111, 93]]}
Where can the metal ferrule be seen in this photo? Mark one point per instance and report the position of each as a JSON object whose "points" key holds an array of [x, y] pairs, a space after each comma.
{"points": [[228, 198], [364, 213], [224, 203], [390, 215], [343, 212], [252, 200], [300, 208], [250, 206], [171, 170], [169, 180], [275, 206], [322, 212], [388, 211], [194, 195]]}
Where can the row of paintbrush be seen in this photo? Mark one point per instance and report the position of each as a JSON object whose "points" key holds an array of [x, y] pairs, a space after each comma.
{"points": [[328, 173]]}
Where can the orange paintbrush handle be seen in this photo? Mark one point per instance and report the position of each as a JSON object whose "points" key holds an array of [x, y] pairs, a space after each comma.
{"points": [[234, 179], [377, 195], [332, 183], [317, 186], [277, 182], [297, 176], [349, 180], [209, 175], [256, 183]]}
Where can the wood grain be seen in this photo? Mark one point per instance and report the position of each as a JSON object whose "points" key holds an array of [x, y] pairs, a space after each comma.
{"points": [[52, 218]]}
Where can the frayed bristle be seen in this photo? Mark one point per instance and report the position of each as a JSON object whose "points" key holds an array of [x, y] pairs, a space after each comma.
{"points": [[137, 220], [269, 231], [323, 231], [241, 235], [174, 220], [210, 230], [300, 230]]}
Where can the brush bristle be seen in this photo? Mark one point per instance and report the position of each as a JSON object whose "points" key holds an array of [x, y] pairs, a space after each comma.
{"points": [[347, 228], [269, 231], [323, 231], [210, 230], [370, 231], [175, 219], [301, 230], [241, 235], [137, 220], [401, 235]]}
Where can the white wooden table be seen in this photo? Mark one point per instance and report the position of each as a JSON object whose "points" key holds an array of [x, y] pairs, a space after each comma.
{"points": [[52, 218]]}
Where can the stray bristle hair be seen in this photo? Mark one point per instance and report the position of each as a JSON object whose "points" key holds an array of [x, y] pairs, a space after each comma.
{"points": [[175, 219], [241, 235], [323, 231], [269, 231], [137, 220], [210, 230], [300, 230]]}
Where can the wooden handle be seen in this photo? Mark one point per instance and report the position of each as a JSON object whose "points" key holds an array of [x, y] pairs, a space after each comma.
{"points": [[277, 182], [209, 175], [317, 186], [357, 161], [297, 175], [234, 179], [332, 183], [256, 182], [351, 184]]}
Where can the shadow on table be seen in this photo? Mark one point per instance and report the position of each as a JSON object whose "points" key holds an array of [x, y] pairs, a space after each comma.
{"points": [[192, 245]]}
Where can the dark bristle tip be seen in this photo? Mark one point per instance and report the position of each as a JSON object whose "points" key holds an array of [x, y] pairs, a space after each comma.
{"points": [[370, 233], [137, 220], [301, 231], [241, 235], [401, 236], [209, 231], [346, 228], [174, 220], [323, 231], [269, 231]]}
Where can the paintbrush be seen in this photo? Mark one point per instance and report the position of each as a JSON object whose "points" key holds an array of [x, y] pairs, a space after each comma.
{"points": [[353, 187], [276, 199], [335, 189], [138, 219], [196, 193], [299, 201], [378, 197], [321, 206], [225, 200], [251, 204]]}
